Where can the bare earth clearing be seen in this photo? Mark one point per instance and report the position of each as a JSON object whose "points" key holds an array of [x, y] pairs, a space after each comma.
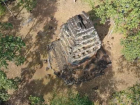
{"points": [[42, 26]]}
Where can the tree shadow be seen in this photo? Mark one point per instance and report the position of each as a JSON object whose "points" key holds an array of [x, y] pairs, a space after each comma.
{"points": [[100, 88], [43, 38], [16, 24], [44, 9], [102, 29], [36, 44], [36, 49], [26, 75], [36, 88]]}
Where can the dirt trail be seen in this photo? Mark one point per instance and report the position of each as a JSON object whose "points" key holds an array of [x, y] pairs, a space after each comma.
{"points": [[42, 26]]}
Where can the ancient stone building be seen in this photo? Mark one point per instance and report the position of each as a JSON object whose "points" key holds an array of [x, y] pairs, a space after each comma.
{"points": [[78, 52], [78, 41]]}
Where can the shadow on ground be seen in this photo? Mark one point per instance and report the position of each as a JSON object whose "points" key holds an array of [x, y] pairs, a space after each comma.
{"points": [[102, 29], [35, 52], [100, 88], [36, 42], [36, 88], [43, 12]]}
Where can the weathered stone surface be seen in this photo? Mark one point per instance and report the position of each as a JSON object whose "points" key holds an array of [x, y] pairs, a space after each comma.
{"points": [[78, 40], [78, 51]]}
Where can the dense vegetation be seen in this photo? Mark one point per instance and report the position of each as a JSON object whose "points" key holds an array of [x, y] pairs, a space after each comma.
{"points": [[126, 17], [131, 46], [125, 13]]}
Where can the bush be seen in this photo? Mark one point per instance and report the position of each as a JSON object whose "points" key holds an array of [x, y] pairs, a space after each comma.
{"points": [[2, 10], [28, 4], [131, 46], [71, 99], [6, 84], [131, 96], [36, 100]]}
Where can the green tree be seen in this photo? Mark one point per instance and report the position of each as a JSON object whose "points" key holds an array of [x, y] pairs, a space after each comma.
{"points": [[33, 100], [9, 50], [131, 46], [126, 16], [5, 26], [10, 46], [6, 84], [125, 13]]}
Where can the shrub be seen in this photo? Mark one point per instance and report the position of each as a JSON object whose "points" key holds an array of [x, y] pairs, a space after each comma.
{"points": [[131, 96], [71, 99], [131, 46], [36, 100], [2, 10]]}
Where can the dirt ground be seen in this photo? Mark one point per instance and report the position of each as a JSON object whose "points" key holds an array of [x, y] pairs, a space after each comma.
{"points": [[40, 28]]}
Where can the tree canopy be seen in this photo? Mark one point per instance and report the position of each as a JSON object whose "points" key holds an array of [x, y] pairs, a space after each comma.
{"points": [[6, 84], [125, 13], [126, 16], [131, 46], [34, 100], [9, 49]]}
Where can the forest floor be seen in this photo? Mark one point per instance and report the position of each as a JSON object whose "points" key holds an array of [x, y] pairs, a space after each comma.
{"points": [[40, 28]]}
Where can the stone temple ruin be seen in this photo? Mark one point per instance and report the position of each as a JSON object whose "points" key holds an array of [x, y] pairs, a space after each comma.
{"points": [[76, 50]]}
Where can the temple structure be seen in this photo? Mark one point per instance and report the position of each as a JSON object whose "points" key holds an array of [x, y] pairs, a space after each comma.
{"points": [[78, 41], [78, 53]]}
